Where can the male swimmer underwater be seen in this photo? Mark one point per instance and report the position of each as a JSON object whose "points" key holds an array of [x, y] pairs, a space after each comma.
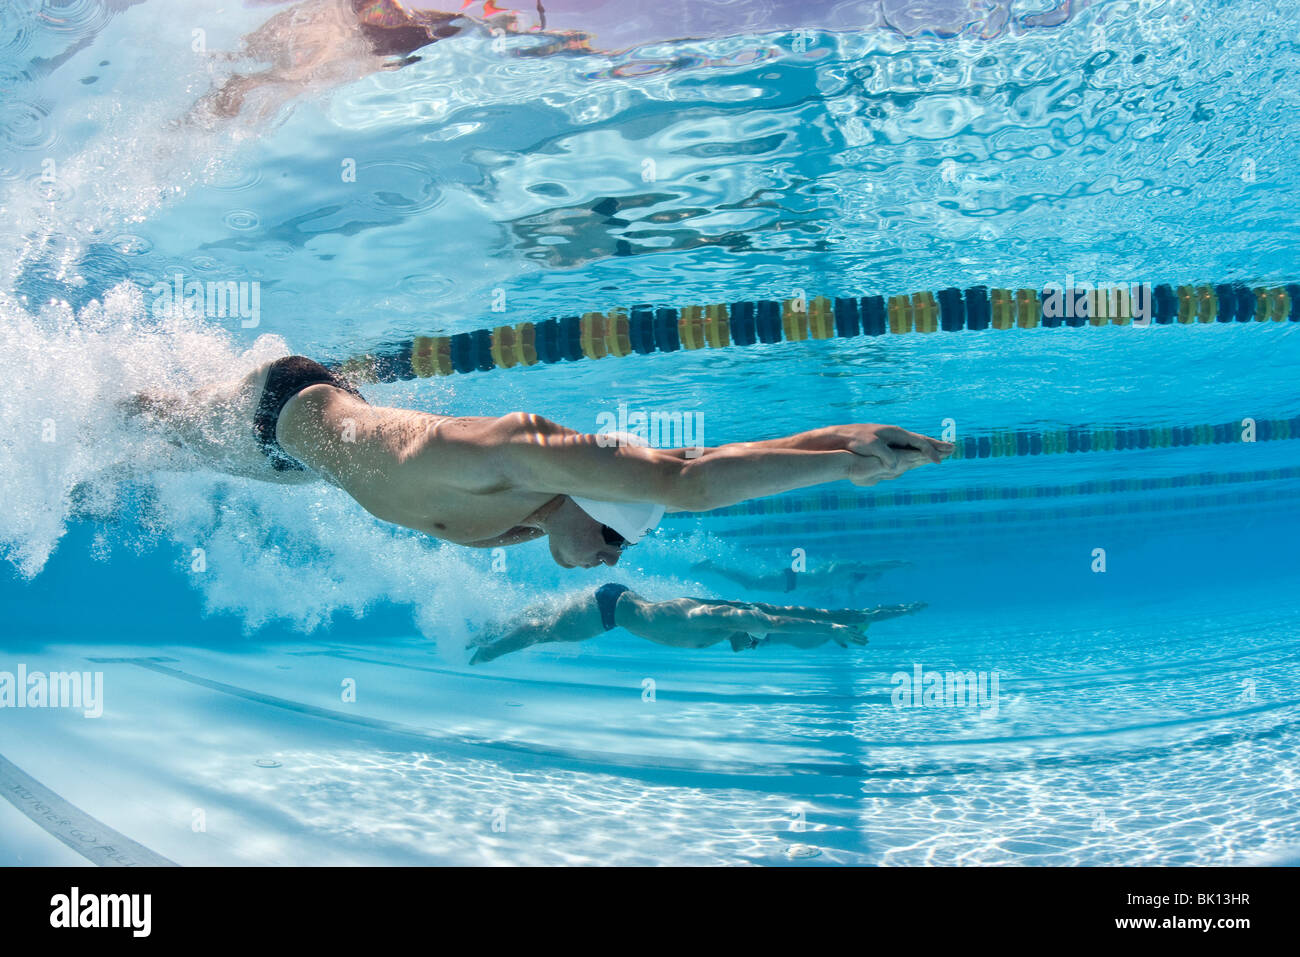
{"points": [[485, 482], [681, 623]]}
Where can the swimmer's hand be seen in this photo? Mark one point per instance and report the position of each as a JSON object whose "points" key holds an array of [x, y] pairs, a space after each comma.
{"points": [[886, 451]]}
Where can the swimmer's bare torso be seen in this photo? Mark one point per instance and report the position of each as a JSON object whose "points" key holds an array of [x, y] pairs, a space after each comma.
{"points": [[481, 480]]}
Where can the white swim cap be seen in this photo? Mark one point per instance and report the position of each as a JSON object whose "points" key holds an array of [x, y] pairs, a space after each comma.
{"points": [[632, 520]]}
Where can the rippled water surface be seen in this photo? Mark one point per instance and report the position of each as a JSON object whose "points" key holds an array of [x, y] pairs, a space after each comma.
{"points": [[685, 154]]}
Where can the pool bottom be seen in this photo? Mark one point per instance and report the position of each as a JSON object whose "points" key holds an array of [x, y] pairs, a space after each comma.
{"points": [[1163, 735]]}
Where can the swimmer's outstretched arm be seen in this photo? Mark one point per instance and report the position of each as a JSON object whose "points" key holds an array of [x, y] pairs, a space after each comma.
{"points": [[550, 458], [394, 461], [529, 454], [759, 582], [689, 623]]}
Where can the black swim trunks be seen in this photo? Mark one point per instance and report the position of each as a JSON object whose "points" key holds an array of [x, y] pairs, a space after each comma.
{"points": [[607, 597], [284, 379]]}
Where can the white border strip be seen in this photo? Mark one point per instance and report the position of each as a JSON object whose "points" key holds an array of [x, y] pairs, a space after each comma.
{"points": [[92, 839]]}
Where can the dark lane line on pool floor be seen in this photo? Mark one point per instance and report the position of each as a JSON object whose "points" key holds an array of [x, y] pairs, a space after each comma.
{"points": [[664, 767], [663, 691], [91, 838], [1026, 684]]}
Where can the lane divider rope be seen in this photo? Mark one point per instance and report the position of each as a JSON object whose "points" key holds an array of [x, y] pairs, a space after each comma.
{"points": [[828, 501], [1074, 439], [644, 329], [1032, 516]]}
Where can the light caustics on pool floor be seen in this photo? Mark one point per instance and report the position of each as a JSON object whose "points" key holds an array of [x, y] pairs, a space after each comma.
{"points": [[1178, 748]]}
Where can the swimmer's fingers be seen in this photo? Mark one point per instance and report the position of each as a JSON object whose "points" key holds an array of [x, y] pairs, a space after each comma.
{"points": [[932, 449]]}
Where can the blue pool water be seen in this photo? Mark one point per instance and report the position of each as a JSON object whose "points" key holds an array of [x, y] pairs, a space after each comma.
{"points": [[1135, 597]]}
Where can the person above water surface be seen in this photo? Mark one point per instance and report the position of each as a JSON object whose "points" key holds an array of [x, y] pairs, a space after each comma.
{"points": [[321, 43], [485, 482], [317, 44]]}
